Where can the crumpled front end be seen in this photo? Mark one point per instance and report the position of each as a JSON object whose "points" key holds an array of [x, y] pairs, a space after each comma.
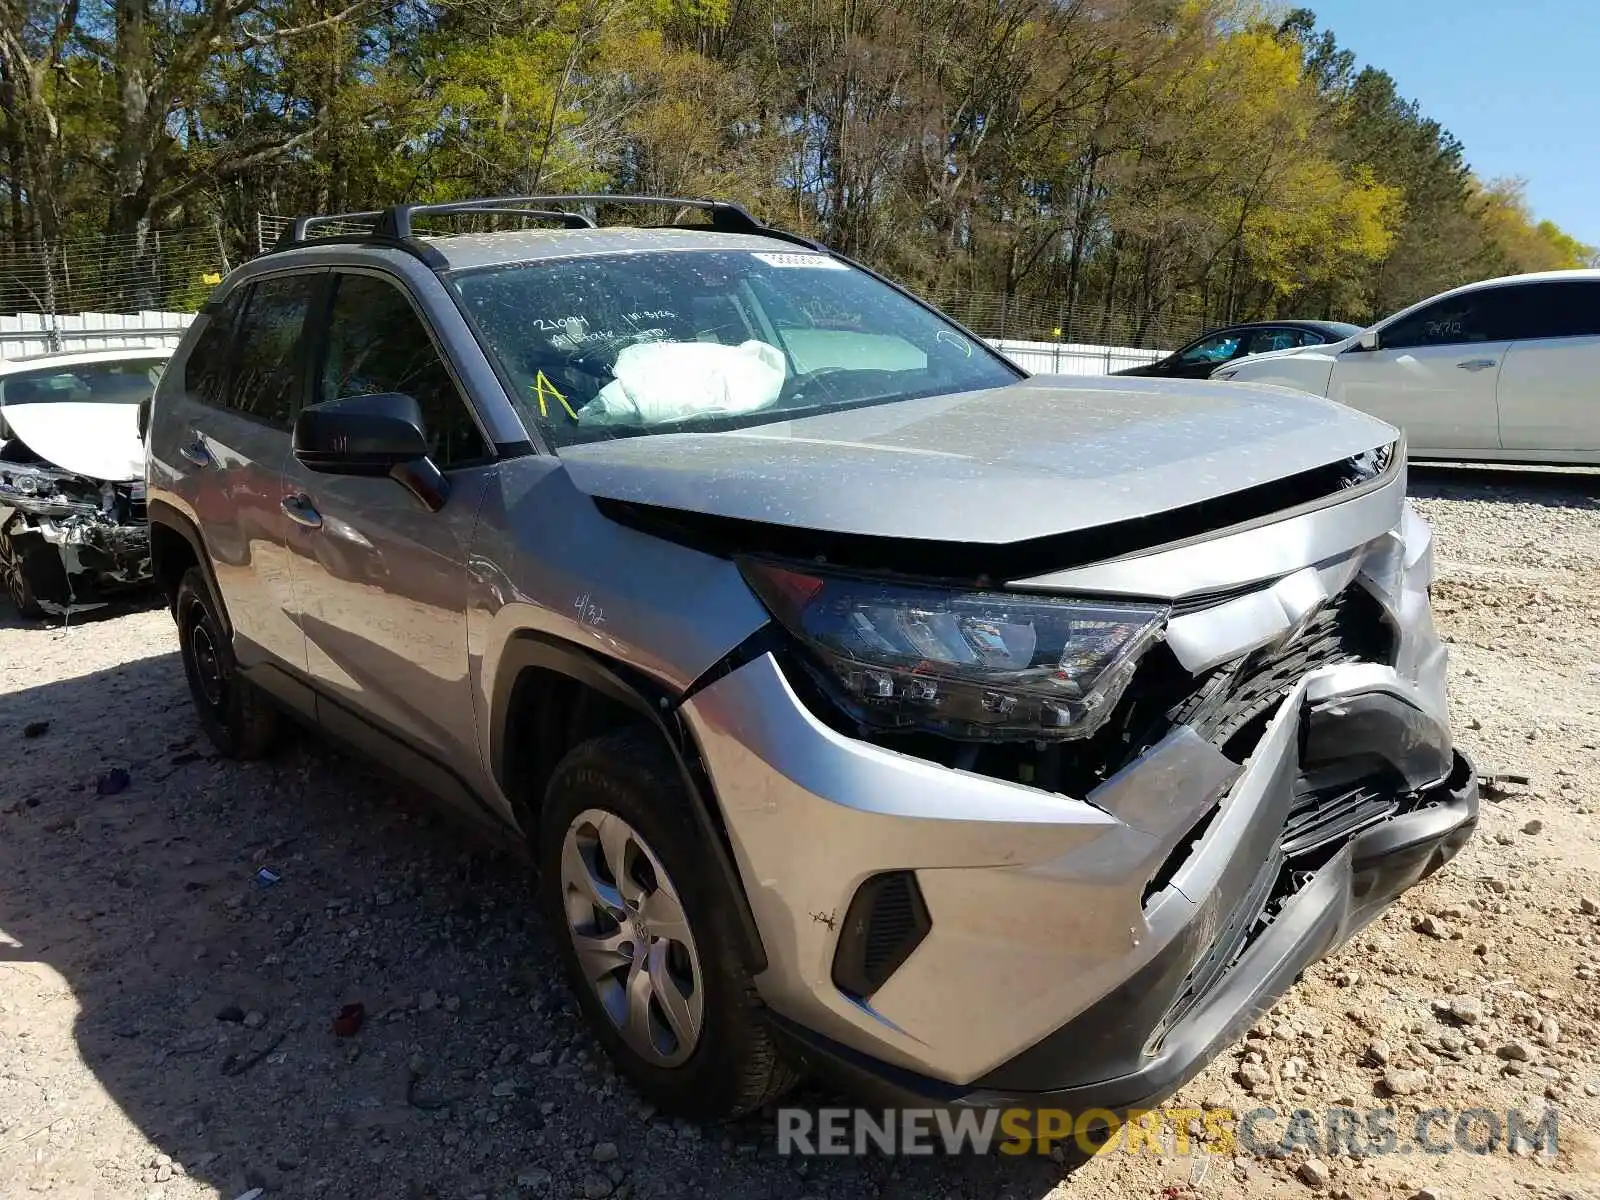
{"points": [[1089, 924], [67, 542]]}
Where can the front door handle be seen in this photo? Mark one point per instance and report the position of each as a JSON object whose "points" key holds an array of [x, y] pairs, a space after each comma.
{"points": [[1476, 364], [298, 508], [196, 452]]}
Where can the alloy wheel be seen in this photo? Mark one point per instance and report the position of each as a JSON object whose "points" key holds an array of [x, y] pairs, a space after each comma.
{"points": [[633, 941]]}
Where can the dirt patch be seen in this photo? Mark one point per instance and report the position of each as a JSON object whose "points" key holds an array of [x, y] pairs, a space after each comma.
{"points": [[167, 1012]]}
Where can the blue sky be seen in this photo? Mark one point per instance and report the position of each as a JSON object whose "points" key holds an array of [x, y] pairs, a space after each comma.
{"points": [[1517, 83]]}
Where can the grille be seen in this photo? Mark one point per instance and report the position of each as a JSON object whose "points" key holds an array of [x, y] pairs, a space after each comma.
{"points": [[1248, 919], [1230, 708], [1351, 628], [1317, 820], [892, 924], [887, 920]]}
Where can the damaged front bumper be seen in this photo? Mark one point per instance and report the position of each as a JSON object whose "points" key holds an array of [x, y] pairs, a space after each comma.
{"points": [[66, 542], [1084, 1064], [951, 937]]}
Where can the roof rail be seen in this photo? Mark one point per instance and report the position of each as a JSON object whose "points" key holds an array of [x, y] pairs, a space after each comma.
{"points": [[397, 221], [301, 227], [571, 220], [394, 226]]}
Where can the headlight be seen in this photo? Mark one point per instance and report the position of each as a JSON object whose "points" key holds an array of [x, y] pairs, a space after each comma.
{"points": [[1369, 464], [972, 665]]}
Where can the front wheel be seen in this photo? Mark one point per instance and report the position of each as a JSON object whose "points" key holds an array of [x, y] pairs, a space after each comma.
{"points": [[240, 722], [646, 940], [35, 574]]}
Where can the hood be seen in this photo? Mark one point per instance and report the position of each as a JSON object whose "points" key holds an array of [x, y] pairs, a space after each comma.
{"points": [[1039, 457], [100, 441]]}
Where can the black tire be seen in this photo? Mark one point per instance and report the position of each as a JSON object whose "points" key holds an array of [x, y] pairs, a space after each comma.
{"points": [[734, 1067], [34, 572], [238, 719]]}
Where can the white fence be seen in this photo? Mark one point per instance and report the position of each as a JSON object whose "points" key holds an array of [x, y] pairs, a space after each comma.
{"points": [[26, 334], [1072, 358]]}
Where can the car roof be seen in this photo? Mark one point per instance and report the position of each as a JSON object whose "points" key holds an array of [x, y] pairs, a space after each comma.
{"points": [[1581, 274], [469, 251], [1283, 323], [75, 358], [1577, 274]]}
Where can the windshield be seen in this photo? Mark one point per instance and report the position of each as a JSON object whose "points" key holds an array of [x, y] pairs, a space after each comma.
{"points": [[614, 345], [119, 382]]}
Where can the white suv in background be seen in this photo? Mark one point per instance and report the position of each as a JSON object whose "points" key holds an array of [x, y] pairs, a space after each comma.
{"points": [[1506, 370]]}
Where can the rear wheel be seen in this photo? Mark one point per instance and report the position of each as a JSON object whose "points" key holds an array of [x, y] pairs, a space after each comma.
{"points": [[240, 722], [644, 935]]}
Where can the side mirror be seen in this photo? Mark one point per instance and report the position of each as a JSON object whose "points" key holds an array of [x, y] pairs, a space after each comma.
{"points": [[376, 436], [1368, 340], [142, 418]]}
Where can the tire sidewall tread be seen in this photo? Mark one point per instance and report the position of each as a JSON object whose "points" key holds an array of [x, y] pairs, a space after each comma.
{"points": [[247, 726], [735, 1068]]}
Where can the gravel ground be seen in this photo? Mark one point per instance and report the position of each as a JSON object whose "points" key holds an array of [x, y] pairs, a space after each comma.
{"points": [[165, 1019]]}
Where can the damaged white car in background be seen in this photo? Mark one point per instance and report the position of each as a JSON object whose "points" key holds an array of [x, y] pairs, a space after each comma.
{"points": [[72, 511]]}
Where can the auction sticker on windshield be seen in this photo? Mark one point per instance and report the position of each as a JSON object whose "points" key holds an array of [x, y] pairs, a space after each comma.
{"points": [[819, 262]]}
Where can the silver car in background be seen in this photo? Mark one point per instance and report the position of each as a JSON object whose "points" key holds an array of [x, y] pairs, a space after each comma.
{"points": [[864, 705]]}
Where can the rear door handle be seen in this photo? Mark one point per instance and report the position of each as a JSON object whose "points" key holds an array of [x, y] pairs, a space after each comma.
{"points": [[196, 452], [298, 508], [1476, 364]]}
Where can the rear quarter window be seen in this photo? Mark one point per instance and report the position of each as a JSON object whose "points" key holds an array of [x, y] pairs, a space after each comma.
{"points": [[205, 374], [263, 371]]}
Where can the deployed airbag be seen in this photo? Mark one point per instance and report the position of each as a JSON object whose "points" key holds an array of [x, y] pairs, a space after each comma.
{"points": [[656, 382]]}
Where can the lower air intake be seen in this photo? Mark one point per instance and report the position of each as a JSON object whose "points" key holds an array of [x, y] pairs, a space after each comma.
{"points": [[886, 921]]}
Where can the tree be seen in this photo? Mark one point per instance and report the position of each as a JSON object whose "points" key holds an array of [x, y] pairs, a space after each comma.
{"points": [[1115, 169]]}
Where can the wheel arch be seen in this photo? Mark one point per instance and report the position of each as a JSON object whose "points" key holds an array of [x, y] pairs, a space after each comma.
{"points": [[175, 546], [549, 695]]}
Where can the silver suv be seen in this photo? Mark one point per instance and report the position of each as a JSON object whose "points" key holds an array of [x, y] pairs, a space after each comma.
{"points": [[863, 704]]}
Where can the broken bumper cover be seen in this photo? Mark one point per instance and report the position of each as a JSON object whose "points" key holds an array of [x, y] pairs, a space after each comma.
{"points": [[99, 554], [1093, 950], [98, 545], [98, 528], [1335, 903]]}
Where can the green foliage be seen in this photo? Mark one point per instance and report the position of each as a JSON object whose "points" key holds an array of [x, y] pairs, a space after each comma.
{"points": [[1133, 168]]}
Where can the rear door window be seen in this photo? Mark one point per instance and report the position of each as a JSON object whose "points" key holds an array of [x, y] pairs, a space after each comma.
{"points": [[266, 353], [1264, 340], [1557, 309]]}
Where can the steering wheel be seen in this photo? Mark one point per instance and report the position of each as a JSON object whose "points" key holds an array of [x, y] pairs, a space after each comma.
{"points": [[797, 386], [599, 359]]}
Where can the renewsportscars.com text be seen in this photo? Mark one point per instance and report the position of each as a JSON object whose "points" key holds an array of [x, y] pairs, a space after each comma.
{"points": [[1265, 1132]]}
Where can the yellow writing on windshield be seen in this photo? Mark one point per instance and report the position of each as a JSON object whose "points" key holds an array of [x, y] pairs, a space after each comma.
{"points": [[545, 391]]}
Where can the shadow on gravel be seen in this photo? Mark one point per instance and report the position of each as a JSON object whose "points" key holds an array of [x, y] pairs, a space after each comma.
{"points": [[1551, 487], [144, 600], [205, 997]]}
